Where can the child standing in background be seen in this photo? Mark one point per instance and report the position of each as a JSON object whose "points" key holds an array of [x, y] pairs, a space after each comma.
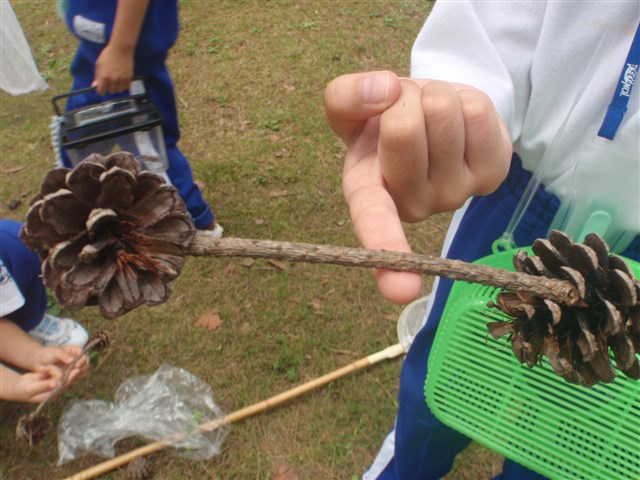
{"points": [[123, 39]]}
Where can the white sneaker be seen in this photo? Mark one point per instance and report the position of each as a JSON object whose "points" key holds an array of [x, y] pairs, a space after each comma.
{"points": [[58, 332], [215, 232]]}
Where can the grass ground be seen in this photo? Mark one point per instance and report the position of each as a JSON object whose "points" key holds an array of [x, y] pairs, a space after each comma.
{"points": [[249, 77]]}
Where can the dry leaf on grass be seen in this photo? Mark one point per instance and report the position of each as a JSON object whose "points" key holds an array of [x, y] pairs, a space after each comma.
{"points": [[279, 193], [13, 169], [284, 472], [230, 268], [248, 262], [278, 265], [209, 320], [316, 305], [392, 317]]}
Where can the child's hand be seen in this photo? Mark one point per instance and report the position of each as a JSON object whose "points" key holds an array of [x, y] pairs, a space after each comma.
{"points": [[114, 70], [115, 64], [56, 359], [415, 148], [30, 387]]}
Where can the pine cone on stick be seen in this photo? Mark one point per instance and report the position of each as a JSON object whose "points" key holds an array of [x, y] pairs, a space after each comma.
{"points": [[578, 339], [108, 234]]}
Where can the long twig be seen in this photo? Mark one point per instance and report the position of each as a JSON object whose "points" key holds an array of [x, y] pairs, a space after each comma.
{"points": [[272, 402], [559, 291]]}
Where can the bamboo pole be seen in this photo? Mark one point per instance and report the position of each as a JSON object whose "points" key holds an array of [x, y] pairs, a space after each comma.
{"points": [[268, 404], [559, 291]]}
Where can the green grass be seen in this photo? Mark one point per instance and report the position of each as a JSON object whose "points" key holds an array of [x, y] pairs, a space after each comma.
{"points": [[249, 78]]}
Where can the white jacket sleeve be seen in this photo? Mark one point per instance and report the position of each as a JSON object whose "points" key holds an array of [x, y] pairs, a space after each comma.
{"points": [[487, 45]]}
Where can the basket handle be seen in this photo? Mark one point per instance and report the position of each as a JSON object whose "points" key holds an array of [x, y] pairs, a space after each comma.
{"points": [[82, 91], [57, 98]]}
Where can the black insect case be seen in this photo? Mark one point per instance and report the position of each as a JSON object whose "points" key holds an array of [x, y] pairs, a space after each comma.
{"points": [[132, 124]]}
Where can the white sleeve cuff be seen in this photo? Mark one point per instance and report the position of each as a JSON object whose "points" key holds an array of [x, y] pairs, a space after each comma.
{"points": [[11, 298]]}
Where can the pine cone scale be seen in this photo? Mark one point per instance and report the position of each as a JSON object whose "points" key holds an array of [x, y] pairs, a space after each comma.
{"points": [[117, 190], [64, 255], [63, 212], [40, 236], [85, 182], [109, 269], [154, 291], [53, 181], [625, 288], [151, 209], [148, 184], [92, 251], [549, 256]]}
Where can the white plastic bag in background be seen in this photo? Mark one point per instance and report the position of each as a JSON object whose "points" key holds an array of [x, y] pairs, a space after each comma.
{"points": [[18, 71], [169, 402]]}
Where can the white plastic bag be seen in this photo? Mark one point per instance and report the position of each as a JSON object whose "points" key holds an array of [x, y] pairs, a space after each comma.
{"points": [[169, 402], [18, 71]]}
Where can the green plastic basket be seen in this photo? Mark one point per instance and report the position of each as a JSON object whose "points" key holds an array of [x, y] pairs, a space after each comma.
{"points": [[532, 416]]}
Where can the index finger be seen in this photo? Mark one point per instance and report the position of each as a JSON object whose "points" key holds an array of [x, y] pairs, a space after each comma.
{"points": [[377, 226]]}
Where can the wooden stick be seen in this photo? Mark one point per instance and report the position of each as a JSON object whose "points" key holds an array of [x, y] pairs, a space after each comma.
{"points": [[268, 404], [559, 291]]}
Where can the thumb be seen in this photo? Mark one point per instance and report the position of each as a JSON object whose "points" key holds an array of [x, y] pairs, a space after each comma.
{"points": [[50, 371], [352, 99], [57, 355], [99, 85]]}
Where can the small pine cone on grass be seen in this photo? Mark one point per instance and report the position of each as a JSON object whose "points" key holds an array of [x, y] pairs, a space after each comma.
{"points": [[577, 340], [108, 234], [140, 468], [100, 341], [32, 428]]}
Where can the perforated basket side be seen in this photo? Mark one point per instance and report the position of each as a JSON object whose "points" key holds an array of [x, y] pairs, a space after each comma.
{"points": [[476, 386]]}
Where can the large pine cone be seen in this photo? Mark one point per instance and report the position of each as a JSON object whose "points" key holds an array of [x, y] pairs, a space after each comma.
{"points": [[577, 339], [108, 233]]}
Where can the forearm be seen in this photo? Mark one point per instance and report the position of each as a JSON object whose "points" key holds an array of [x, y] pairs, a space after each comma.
{"points": [[8, 379], [128, 23], [28, 387], [16, 346]]}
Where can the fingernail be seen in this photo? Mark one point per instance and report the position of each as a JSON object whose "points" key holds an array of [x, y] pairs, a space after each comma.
{"points": [[375, 87]]}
